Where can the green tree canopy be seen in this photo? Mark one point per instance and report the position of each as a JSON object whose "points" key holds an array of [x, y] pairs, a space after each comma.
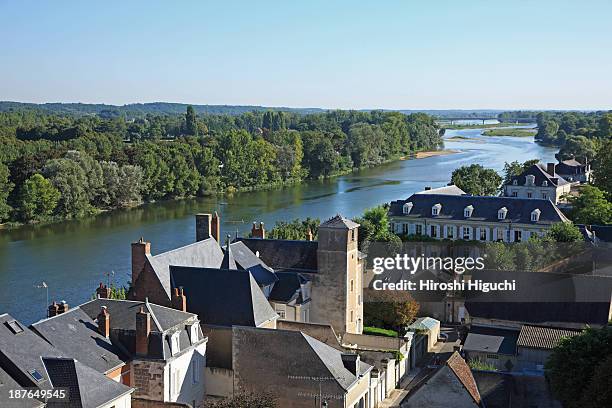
{"points": [[37, 199], [591, 207], [476, 180], [5, 188]]}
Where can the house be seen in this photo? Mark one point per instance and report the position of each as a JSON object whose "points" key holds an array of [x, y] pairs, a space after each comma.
{"points": [[538, 182], [318, 281], [480, 218], [451, 384], [31, 362], [492, 346], [574, 171], [160, 351], [298, 369], [535, 344]]}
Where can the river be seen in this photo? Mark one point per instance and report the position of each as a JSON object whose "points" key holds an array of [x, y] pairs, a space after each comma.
{"points": [[73, 257]]}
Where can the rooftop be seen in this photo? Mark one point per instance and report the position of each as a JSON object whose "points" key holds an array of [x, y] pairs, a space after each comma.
{"points": [[543, 337]]}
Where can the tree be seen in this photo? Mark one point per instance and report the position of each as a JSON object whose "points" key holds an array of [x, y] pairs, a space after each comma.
{"points": [[516, 169], [70, 179], [579, 147], [122, 185], [599, 392], [564, 232], [591, 207], [37, 199], [602, 168], [574, 363], [5, 189], [295, 230], [476, 180], [191, 122], [389, 310], [245, 400]]}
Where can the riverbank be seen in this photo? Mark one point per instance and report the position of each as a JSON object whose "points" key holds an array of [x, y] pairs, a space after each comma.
{"points": [[510, 132], [433, 153], [482, 126]]}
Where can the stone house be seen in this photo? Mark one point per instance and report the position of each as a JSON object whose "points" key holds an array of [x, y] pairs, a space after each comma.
{"points": [[538, 182], [28, 361], [574, 171]]}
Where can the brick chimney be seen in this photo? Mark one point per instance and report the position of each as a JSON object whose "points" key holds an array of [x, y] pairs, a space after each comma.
{"points": [[140, 250], [63, 307], [550, 168], [427, 188], [309, 234], [104, 322], [143, 329], [53, 309], [258, 232], [103, 292], [207, 226], [179, 300]]}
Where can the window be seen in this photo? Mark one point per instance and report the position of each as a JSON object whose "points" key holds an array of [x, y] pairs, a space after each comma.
{"points": [[352, 285], [407, 208], [174, 343], [515, 182], [450, 231], [515, 193], [493, 356], [501, 214], [435, 210], [467, 211], [530, 180], [352, 316], [483, 234], [193, 333], [545, 183], [545, 196], [405, 228], [176, 381], [36, 375], [529, 194], [535, 215], [517, 236], [281, 313], [466, 233], [419, 229], [434, 231], [352, 235]]}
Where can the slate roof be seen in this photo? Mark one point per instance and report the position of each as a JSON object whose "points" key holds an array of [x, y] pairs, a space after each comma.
{"points": [[288, 288], [602, 232], [245, 259], [205, 254], [543, 337], [491, 340], [424, 323], [496, 389], [572, 162], [76, 334], [287, 350], [485, 208], [339, 222], [281, 254], [540, 172], [223, 297], [543, 298], [86, 386], [7, 383]]}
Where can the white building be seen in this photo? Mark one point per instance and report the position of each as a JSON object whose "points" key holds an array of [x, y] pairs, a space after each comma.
{"points": [[538, 182]]}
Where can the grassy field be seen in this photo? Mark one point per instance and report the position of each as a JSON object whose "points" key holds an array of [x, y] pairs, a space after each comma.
{"points": [[510, 132], [375, 331]]}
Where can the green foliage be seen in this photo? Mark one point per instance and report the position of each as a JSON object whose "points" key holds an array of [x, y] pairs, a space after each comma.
{"points": [[515, 169], [478, 364], [5, 188], [191, 125], [70, 179], [602, 168], [591, 207], [579, 147], [375, 331], [599, 392], [577, 365], [564, 232], [37, 199], [388, 310], [295, 230], [476, 180]]}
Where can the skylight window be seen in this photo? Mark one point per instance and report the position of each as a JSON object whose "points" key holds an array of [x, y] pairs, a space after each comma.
{"points": [[36, 375], [14, 326]]}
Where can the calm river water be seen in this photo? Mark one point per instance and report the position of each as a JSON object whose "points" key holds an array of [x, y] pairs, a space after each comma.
{"points": [[73, 257]]}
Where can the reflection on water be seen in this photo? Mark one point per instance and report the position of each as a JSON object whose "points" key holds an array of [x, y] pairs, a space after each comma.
{"points": [[73, 257]]}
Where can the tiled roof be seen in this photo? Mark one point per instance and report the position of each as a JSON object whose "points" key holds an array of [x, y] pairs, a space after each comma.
{"points": [[281, 254], [543, 337], [485, 209], [464, 374], [339, 222], [540, 173]]}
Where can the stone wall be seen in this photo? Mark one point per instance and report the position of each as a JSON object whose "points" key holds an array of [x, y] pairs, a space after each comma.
{"points": [[148, 379], [144, 403]]}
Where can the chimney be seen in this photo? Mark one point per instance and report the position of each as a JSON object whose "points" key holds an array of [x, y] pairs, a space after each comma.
{"points": [[140, 250], [179, 300], [351, 362], [53, 309], [258, 232], [309, 234], [215, 227], [103, 292], [143, 329], [427, 188], [104, 322], [203, 226], [63, 307], [550, 168]]}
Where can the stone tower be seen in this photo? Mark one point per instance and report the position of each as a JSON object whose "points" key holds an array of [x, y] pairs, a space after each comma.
{"points": [[337, 290]]}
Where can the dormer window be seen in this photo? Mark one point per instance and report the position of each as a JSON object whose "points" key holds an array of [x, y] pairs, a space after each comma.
{"points": [[174, 343], [545, 183], [530, 180], [467, 211], [407, 208], [435, 210], [515, 182], [194, 333], [535, 215], [501, 214]]}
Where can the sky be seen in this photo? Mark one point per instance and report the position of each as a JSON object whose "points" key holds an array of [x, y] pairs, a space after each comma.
{"points": [[410, 54]]}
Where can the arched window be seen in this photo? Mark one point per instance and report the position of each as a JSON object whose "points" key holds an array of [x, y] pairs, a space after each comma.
{"points": [[535, 215], [435, 210], [407, 208], [467, 211], [501, 214]]}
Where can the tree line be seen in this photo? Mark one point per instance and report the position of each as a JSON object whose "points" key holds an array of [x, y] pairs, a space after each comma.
{"points": [[55, 167]]}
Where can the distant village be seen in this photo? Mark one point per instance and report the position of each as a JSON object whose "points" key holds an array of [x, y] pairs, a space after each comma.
{"points": [[281, 322]]}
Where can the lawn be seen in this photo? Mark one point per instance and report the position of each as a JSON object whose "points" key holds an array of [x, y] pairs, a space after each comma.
{"points": [[375, 331]]}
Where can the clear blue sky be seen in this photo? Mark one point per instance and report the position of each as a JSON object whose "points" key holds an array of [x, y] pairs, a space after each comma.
{"points": [[410, 54]]}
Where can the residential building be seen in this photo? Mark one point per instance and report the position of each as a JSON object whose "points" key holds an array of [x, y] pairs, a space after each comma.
{"points": [[536, 343], [574, 171], [538, 182], [479, 218], [31, 362]]}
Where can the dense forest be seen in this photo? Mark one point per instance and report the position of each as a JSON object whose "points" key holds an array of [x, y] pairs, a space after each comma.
{"points": [[57, 166]]}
